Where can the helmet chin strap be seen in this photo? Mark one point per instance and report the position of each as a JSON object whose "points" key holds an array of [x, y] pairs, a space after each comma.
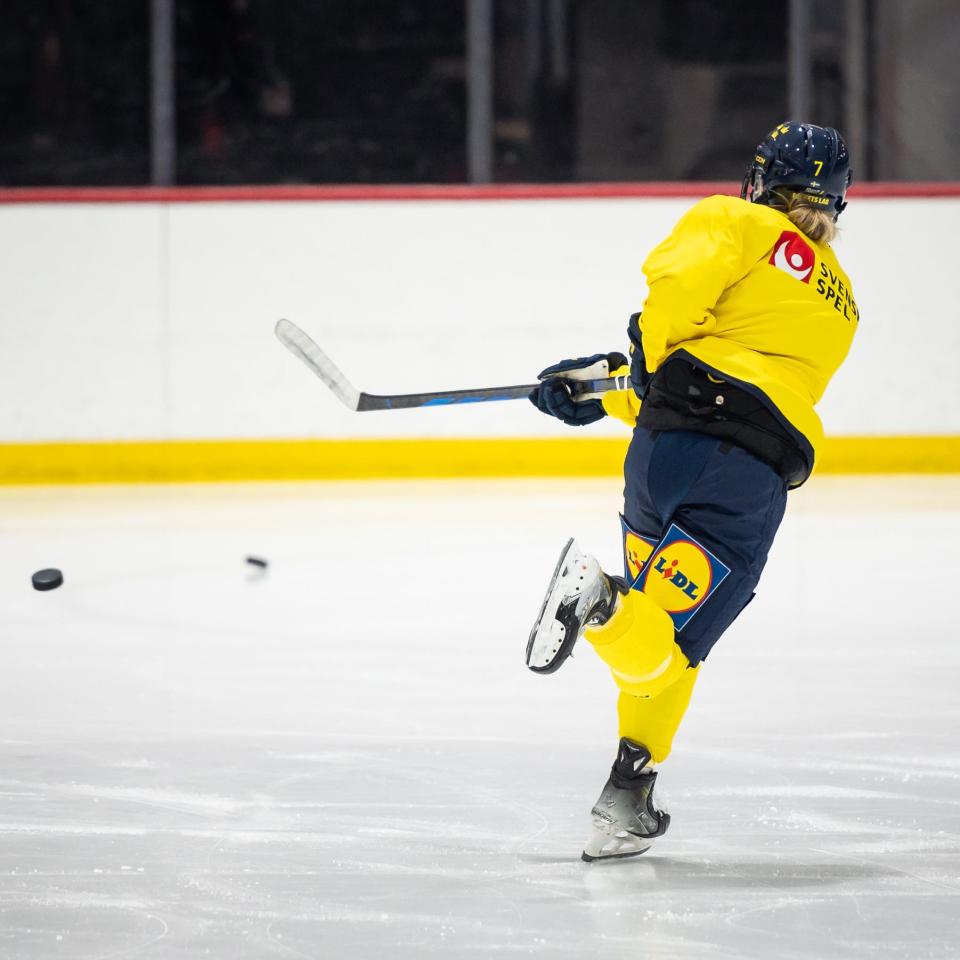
{"points": [[752, 187], [754, 191], [777, 198]]}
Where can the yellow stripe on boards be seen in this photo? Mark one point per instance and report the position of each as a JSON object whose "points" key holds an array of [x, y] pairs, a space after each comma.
{"points": [[219, 460], [890, 455], [225, 460]]}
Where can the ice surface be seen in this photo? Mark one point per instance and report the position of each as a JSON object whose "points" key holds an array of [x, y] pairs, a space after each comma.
{"points": [[345, 757]]}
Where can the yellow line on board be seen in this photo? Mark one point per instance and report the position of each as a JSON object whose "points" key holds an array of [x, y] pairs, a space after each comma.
{"points": [[890, 455], [225, 460]]}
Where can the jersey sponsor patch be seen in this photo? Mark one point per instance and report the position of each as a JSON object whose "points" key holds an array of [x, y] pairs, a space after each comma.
{"points": [[636, 551], [793, 255], [680, 575]]}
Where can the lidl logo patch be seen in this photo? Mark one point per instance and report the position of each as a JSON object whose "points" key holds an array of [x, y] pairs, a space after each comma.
{"points": [[636, 552], [792, 254], [680, 575]]}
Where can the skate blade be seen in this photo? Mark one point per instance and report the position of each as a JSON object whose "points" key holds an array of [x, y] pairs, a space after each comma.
{"points": [[603, 846], [553, 664]]}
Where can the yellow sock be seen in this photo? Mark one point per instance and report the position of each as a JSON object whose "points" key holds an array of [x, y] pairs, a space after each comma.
{"points": [[637, 644], [653, 721]]}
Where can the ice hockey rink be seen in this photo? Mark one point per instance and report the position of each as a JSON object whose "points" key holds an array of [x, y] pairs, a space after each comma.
{"points": [[344, 756]]}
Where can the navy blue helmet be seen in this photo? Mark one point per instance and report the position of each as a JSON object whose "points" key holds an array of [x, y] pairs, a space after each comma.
{"points": [[800, 158]]}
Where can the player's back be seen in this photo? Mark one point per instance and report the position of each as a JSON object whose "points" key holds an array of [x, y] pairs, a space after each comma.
{"points": [[738, 287]]}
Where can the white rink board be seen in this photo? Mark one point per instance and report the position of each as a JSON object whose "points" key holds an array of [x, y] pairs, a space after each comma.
{"points": [[154, 321]]}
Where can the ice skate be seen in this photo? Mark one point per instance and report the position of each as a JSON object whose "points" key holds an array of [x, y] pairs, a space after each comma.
{"points": [[626, 817], [579, 593]]}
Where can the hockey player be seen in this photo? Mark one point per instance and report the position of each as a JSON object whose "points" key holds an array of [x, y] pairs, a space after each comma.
{"points": [[748, 316]]}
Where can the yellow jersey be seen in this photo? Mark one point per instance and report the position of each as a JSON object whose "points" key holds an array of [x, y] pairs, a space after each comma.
{"points": [[742, 291]]}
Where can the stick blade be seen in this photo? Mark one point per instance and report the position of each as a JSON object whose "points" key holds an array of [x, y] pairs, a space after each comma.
{"points": [[301, 346]]}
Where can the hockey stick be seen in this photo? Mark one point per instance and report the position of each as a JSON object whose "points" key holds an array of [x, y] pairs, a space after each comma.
{"points": [[300, 345]]}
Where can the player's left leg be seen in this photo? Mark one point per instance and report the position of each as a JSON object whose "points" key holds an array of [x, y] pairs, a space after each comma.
{"points": [[629, 630], [638, 644], [636, 638], [631, 633], [579, 592]]}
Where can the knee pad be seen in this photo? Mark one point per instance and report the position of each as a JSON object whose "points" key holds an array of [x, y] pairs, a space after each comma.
{"points": [[637, 644]]}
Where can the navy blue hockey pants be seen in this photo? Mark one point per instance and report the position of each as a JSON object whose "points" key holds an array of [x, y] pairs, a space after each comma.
{"points": [[726, 499]]}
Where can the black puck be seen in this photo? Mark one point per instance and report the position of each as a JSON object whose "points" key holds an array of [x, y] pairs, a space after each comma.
{"points": [[47, 579], [257, 562]]}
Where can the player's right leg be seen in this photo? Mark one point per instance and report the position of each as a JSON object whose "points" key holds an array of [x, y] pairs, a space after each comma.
{"points": [[654, 721], [626, 817], [716, 509]]}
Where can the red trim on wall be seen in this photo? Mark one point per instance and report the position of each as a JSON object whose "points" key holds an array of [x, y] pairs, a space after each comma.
{"points": [[506, 191]]}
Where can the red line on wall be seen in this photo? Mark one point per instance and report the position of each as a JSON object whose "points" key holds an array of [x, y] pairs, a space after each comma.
{"points": [[506, 191]]}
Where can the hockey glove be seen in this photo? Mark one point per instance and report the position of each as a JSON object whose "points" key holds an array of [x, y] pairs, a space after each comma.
{"points": [[639, 376], [554, 398]]}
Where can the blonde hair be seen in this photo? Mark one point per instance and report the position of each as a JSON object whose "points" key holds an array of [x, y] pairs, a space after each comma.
{"points": [[815, 222]]}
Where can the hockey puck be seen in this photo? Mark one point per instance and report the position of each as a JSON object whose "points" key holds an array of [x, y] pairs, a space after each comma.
{"points": [[47, 579], [257, 562]]}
